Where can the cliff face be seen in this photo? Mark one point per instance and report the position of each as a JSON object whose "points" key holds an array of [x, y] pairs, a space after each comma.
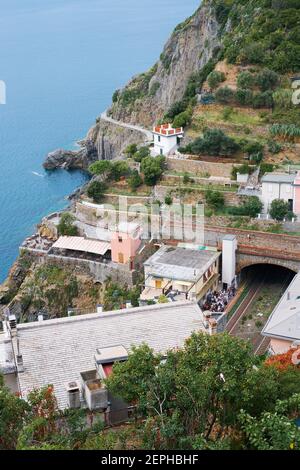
{"points": [[148, 96]]}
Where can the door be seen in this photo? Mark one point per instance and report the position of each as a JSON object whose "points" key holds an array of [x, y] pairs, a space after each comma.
{"points": [[121, 258], [158, 284]]}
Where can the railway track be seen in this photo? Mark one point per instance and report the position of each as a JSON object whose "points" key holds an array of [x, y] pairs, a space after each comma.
{"points": [[242, 309]]}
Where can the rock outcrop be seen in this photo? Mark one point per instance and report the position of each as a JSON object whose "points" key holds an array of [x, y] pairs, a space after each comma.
{"points": [[72, 159]]}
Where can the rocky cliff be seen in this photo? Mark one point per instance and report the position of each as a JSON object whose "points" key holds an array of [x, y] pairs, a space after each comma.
{"points": [[147, 97]]}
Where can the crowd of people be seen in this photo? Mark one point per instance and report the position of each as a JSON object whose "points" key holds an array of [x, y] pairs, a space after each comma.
{"points": [[218, 301]]}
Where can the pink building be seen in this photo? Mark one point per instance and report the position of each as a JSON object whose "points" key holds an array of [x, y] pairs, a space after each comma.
{"points": [[125, 242]]}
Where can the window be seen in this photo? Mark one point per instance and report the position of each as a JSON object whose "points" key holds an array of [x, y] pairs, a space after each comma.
{"points": [[158, 138], [158, 284], [161, 151], [120, 239]]}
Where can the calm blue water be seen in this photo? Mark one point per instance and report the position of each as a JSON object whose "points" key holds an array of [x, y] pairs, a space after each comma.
{"points": [[61, 61]]}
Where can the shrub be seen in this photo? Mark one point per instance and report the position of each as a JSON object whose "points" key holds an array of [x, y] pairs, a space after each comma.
{"points": [[279, 209], [182, 119], [263, 100], [152, 169], [267, 79], [186, 178], [115, 96], [225, 95], [154, 88], [244, 96], [66, 225], [226, 113], [215, 78], [168, 200], [214, 142], [274, 147], [266, 168], [253, 148], [131, 150], [96, 191], [142, 153], [214, 199], [245, 80], [118, 169], [135, 180]]}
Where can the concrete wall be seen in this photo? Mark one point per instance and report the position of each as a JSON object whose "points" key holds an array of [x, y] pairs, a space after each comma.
{"points": [[271, 191]]}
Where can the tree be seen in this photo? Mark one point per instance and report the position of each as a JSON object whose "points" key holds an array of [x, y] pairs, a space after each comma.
{"points": [[214, 199], [182, 119], [101, 167], [267, 79], [279, 209], [245, 79], [196, 391], [168, 200], [214, 142], [135, 181], [131, 150], [13, 413], [252, 206], [96, 190], [215, 78], [142, 153], [275, 430], [152, 168], [66, 225], [118, 169], [225, 95]]}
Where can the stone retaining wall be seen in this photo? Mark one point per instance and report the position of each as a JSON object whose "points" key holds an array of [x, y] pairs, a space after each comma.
{"points": [[200, 168]]}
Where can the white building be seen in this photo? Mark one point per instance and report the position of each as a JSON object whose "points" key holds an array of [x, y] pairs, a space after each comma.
{"points": [[166, 139], [278, 186], [229, 248], [71, 353], [283, 326]]}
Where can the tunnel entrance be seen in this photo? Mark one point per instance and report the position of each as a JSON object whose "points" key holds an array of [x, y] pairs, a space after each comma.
{"points": [[269, 272], [260, 289]]}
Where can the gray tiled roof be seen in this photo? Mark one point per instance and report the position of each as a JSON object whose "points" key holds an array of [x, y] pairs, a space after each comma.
{"points": [[180, 263], [56, 351], [278, 178]]}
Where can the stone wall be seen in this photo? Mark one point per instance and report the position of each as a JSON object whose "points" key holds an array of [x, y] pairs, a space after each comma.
{"points": [[200, 168], [193, 196]]}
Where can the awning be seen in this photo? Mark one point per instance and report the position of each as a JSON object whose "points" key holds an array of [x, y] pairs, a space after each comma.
{"points": [[82, 244]]}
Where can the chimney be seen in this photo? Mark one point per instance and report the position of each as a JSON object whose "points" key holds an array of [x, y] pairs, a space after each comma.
{"points": [[12, 325], [20, 363], [73, 392]]}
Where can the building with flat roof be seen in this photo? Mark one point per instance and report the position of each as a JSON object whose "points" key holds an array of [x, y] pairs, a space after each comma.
{"points": [[283, 326], [281, 186], [181, 273], [74, 354], [166, 139]]}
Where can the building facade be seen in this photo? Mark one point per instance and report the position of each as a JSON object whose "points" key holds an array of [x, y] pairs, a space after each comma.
{"points": [[166, 139]]}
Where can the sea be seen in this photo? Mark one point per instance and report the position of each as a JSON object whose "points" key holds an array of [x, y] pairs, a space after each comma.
{"points": [[60, 62]]}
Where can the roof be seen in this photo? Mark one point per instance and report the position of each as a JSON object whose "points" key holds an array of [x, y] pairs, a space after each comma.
{"points": [[284, 322], [278, 178], [57, 351], [167, 130], [180, 264], [82, 244], [128, 227]]}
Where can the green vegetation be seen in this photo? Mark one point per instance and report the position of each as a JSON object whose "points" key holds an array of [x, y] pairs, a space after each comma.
{"points": [[135, 181], [250, 207], [152, 168], [289, 132], [264, 32], [143, 152], [215, 78], [280, 210], [96, 190], [214, 142], [131, 150], [66, 225], [214, 199], [116, 296]]}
